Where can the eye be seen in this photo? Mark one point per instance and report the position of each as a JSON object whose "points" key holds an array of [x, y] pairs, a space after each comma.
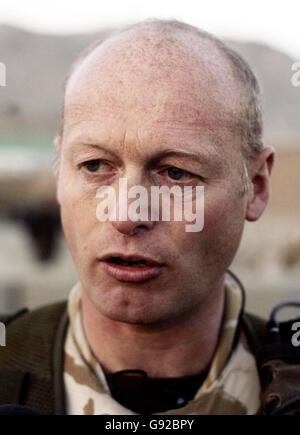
{"points": [[176, 173], [96, 165], [92, 165]]}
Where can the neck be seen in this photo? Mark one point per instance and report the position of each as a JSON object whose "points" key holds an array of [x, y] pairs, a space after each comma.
{"points": [[180, 347]]}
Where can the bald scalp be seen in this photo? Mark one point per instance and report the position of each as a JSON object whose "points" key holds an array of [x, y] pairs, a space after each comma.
{"points": [[159, 49], [176, 62], [161, 54]]}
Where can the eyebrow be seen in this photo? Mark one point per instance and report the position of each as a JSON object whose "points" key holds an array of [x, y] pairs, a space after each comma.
{"points": [[75, 146], [214, 161], [179, 152]]}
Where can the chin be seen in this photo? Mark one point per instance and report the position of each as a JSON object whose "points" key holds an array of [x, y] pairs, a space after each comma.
{"points": [[133, 314], [135, 304]]}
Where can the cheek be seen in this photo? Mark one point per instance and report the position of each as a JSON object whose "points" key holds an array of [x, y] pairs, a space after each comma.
{"points": [[221, 234], [213, 214], [225, 209], [78, 211], [223, 228]]}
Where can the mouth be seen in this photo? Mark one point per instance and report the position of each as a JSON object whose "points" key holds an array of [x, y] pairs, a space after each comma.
{"points": [[133, 268]]}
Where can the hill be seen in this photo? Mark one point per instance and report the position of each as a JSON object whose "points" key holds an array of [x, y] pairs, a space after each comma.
{"points": [[36, 65]]}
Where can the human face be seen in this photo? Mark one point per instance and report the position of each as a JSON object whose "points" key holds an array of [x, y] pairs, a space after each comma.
{"points": [[137, 128]]}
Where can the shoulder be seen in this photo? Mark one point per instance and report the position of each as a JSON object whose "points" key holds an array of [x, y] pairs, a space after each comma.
{"points": [[29, 334], [32, 360]]}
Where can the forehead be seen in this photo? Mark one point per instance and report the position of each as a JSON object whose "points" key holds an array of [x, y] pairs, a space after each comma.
{"points": [[152, 82]]}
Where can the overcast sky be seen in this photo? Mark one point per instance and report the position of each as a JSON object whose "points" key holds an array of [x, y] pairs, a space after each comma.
{"points": [[276, 22]]}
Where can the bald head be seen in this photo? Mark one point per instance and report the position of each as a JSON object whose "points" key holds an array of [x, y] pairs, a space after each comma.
{"points": [[170, 62]]}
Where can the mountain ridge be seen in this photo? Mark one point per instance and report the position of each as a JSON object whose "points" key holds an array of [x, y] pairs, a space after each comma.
{"points": [[36, 64]]}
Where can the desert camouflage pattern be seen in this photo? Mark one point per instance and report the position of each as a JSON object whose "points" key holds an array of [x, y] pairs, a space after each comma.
{"points": [[231, 386]]}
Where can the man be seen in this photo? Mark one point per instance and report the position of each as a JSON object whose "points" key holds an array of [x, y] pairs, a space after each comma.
{"points": [[155, 323]]}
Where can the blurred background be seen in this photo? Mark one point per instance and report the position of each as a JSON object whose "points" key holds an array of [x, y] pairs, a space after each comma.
{"points": [[39, 41]]}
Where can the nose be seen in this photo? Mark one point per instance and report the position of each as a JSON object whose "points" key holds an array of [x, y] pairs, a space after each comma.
{"points": [[130, 228], [133, 215]]}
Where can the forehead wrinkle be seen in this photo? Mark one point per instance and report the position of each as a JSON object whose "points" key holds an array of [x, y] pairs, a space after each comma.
{"points": [[215, 135], [196, 123], [90, 122], [90, 108], [94, 130], [168, 115]]}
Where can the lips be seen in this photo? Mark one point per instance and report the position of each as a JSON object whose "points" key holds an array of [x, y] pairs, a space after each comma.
{"points": [[131, 268]]}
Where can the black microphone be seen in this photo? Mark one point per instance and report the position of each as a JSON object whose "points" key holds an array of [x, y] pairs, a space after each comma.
{"points": [[16, 410]]}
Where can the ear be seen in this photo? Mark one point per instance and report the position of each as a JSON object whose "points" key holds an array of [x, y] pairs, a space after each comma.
{"points": [[260, 172], [57, 144]]}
